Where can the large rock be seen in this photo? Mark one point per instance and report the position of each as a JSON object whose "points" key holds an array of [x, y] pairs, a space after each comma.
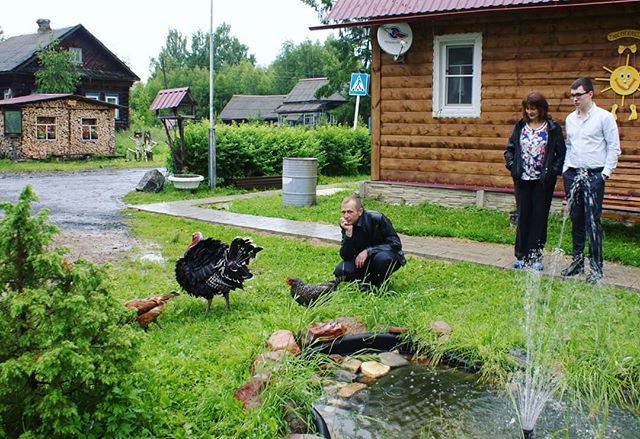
{"points": [[152, 181]]}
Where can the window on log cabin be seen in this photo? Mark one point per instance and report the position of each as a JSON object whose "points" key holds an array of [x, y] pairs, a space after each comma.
{"points": [[76, 55], [45, 128], [457, 61], [89, 128], [113, 99]]}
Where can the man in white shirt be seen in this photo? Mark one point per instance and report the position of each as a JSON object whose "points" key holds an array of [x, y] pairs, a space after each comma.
{"points": [[593, 147]]}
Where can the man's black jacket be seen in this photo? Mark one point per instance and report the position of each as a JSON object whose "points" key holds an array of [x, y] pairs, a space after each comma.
{"points": [[374, 232]]}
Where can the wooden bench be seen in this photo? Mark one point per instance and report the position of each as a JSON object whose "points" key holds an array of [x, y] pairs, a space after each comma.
{"points": [[263, 182]]}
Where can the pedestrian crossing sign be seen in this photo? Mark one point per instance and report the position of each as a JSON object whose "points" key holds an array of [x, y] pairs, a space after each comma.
{"points": [[359, 84]]}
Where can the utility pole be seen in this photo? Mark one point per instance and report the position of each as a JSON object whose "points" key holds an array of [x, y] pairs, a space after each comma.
{"points": [[212, 129]]}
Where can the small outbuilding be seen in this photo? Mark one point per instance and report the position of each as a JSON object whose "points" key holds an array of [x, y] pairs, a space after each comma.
{"points": [[41, 126]]}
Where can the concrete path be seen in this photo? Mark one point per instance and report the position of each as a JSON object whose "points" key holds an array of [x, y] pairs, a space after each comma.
{"points": [[450, 249]]}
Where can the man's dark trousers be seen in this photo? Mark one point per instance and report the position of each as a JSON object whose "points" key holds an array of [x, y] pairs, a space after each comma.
{"points": [[585, 211], [375, 271]]}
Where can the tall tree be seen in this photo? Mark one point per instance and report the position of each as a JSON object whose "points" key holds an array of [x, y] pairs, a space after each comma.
{"points": [[1, 34], [305, 60], [352, 51], [57, 72]]}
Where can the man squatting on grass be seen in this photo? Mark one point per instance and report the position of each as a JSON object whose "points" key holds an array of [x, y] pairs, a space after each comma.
{"points": [[593, 147], [371, 249]]}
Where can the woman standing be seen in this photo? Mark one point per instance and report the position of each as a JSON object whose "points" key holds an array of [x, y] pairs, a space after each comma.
{"points": [[534, 155]]}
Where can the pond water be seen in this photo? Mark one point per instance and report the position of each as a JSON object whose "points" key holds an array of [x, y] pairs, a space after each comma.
{"points": [[425, 402]]}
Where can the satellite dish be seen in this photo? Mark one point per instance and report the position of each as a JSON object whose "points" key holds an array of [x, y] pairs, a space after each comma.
{"points": [[395, 39]]}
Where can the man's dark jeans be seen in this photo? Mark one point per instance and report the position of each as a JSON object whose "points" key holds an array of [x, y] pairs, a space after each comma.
{"points": [[587, 190], [375, 271]]}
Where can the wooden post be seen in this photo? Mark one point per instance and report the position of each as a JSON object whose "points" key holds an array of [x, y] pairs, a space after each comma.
{"points": [[375, 105]]}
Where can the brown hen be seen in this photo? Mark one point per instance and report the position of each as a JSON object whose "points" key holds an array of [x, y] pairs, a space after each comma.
{"points": [[150, 308], [307, 294]]}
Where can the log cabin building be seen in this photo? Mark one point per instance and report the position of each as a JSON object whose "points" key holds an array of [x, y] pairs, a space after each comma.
{"points": [[104, 76], [64, 126], [442, 110]]}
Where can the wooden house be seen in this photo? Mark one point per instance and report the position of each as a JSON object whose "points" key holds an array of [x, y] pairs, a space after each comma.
{"points": [[104, 76], [302, 107], [443, 109], [41, 126], [244, 108]]}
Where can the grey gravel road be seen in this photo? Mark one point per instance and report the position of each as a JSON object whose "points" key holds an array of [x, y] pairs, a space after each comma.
{"points": [[85, 205], [87, 201]]}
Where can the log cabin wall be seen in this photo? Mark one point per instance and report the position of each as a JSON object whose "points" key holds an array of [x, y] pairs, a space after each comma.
{"points": [[68, 140], [520, 53]]}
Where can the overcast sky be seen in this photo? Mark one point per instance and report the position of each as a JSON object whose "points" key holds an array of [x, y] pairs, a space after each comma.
{"points": [[135, 30]]}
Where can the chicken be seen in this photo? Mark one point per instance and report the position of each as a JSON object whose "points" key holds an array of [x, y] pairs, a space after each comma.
{"points": [[307, 294], [150, 308], [210, 267]]}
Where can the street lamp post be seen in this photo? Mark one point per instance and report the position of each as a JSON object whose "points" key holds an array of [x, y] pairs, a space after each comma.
{"points": [[212, 129]]}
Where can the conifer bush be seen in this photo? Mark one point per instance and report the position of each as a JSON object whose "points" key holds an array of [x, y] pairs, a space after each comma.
{"points": [[66, 352]]}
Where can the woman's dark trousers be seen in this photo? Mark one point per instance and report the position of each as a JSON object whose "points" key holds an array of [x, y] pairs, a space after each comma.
{"points": [[533, 199]]}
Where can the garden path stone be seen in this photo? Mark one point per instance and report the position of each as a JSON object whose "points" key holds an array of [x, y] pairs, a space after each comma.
{"points": [[447, 249]]}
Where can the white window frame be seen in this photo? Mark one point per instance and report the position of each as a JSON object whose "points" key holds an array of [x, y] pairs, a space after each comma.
{"points": [[8, 93], [309, 119], [94, 96], [47, 126], [76, 55], [93, 128], [440, 44], [113, 99]]}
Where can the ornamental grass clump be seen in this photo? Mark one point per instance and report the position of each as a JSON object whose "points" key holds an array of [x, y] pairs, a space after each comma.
{"points": [[66, 351]]}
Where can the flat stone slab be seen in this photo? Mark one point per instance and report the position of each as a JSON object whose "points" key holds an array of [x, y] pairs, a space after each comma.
{"points": [[350, 389], [374, 369], [392, 359], [351, 364]]}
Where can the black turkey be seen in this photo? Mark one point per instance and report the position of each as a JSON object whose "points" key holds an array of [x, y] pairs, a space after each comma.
{"points": [[210, 267]]}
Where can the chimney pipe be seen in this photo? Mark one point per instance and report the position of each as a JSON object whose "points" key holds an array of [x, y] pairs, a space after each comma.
{"points": [[43, 25]]}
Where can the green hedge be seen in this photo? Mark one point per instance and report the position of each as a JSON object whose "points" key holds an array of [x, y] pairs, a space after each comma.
{"points": [[250, 150]]}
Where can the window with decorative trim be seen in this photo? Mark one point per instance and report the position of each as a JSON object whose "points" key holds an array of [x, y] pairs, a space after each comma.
{"points": [[45, 128], [457, 65], [89, 128], [113, 99], [76, 55]]}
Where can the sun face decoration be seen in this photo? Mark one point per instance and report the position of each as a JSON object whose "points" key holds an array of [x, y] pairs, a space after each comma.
{"points": [[624, 81]]}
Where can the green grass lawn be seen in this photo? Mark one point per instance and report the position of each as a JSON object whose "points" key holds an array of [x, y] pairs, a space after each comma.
{"points": [[621, 242], [192, 366]]}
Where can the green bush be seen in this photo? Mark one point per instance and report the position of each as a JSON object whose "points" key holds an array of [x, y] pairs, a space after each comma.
{"points": [[67, 353], [249, 150]]}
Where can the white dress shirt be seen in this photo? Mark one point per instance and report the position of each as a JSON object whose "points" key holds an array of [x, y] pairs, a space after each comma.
{"points": [[592, 141]]}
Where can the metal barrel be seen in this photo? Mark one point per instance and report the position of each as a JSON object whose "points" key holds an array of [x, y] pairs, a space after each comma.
{"points": [[299, 179]]}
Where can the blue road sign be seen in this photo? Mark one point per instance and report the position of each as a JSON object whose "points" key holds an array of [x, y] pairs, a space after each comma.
{"points": [[359, 84]]}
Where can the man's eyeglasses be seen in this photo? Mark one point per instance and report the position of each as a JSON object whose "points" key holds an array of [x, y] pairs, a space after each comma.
{"points": [[577, 95]]}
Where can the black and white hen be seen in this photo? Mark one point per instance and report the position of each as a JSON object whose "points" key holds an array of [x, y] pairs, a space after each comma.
{"points": [[307, 294], [210, 267]]}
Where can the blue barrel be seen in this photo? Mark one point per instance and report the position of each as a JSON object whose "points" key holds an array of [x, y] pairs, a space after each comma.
{"points": [[299, 180]]}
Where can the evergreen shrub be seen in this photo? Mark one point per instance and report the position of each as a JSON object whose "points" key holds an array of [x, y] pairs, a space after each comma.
{"points": [[67, 353], [249, 150]]}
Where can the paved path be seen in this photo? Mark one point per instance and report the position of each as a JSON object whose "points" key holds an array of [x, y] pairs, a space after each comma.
{"points": [[451, 249]]}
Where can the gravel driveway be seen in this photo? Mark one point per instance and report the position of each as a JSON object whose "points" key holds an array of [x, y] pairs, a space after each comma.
{"points": [[85, 205]]}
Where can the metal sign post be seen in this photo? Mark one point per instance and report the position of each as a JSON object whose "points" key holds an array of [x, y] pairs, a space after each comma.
{"points": [[358, 87]]}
